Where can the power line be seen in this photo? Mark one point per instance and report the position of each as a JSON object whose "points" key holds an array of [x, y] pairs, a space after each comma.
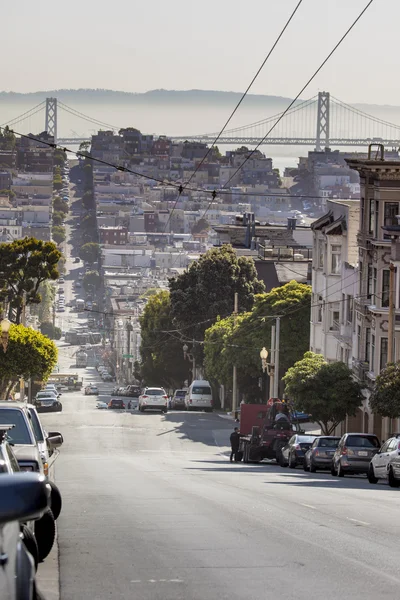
{"points": [[247, 90], [302, 89]]}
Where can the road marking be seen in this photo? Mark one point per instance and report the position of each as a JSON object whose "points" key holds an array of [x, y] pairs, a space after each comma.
{"points": [[157, 581], [357, 521], [308, 505]]}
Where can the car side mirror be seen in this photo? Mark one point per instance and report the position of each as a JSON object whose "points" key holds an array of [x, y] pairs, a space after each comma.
{"points": [[55, 439], [23, 497]]}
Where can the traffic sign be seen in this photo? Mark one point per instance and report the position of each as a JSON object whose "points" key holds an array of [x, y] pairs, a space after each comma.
{"points": [[127, 356]]}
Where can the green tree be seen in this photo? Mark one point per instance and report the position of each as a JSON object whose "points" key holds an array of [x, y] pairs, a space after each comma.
{"points": [[44, 309], [57, 182], [24, 265], [385, 398], [89, 222], [200, 225], [326, 391], [29, 354], [162, 360], [150, 292], [216, 362], [7, 139], [88, 200], [91, 280], [51, 331], [90, 252], [59, 157], [58, 234], [207, 288], [60, 205], [58, 217], [10, 193]]}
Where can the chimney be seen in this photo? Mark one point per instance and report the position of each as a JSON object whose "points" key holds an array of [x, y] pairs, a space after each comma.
{"points": [[291, 223]]}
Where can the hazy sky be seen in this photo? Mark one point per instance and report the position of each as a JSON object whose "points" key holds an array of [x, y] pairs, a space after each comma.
{"points": [[214, 44]]}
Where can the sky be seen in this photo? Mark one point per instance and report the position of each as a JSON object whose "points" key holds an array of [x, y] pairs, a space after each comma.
{"points": [[214, 44]]}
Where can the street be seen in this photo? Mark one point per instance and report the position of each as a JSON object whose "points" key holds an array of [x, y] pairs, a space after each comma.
{"points": [[153, 509]]}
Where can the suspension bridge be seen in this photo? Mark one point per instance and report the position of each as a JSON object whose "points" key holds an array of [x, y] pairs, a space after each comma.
{"points": [[323, 121]]}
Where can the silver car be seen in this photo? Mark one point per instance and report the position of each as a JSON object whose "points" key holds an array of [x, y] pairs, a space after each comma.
{"points": [[354, 453], [320, 455]]}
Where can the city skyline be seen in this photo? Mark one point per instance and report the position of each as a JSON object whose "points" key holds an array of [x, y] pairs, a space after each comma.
{"points": [[158, 46]]}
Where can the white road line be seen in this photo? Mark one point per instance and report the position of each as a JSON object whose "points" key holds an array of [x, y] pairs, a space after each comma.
{"points": [[357, 521], [308, 505]]}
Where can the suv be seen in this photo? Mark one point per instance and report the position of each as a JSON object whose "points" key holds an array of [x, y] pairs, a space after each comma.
{"points": [[354, 453], [384, 463], [178, 400], [153, 398], [116, 403]]}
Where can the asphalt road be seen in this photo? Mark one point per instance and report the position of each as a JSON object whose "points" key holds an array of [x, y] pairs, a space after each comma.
{"points": [[154, 510]]}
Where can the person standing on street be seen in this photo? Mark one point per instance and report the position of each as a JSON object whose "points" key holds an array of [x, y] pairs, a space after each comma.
{"points": [[129, 405], [235, 442]]}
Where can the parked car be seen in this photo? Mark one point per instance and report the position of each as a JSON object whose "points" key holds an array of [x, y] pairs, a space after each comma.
{"points": [[320, 455], [116, 403], [153, 398], [199, 396], [354, 453], [178, 400], [384, 463], [47, 400], [292, 454], [101, 404], [23, 497], [91, 390], [107, 377]]}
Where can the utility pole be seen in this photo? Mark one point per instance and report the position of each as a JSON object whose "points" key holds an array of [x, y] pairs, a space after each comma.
{"points": [[193, 363], [272, 365], [276, 357], [234, 376], [23, 322], [391, 324]]}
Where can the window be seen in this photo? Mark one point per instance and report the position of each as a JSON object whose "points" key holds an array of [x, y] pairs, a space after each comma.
{"points": [[372, 353], [361, 278], [362, 204], [384, 352], [336, 259], [321, 254], [391, 210], [385, 288], [343, 309], [371, 215], [349, 309], [335, 316], [374, 283], [369, 282], [367, 344], [319, 310], [359, 341]]}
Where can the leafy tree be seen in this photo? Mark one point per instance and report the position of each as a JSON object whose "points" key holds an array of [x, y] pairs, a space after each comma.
{"points": [[207, 288], [88, 223], [90, 252], [29, 354], [162, 357], [57, 182], [60, 205], [7, 139], [385, 399], [10, 193], [326, 391], [44, 309], [59, 157], [88, 200], [24, 265], [91, 279], [88, 175], [150, 292], [84, 146], [200, 225], [242, 344], [58, 217], [217, 365], [51, 331], [58, 234]]}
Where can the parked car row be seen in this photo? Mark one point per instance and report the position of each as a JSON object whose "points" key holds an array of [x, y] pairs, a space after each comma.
{"points": [[30, 502], [353, 453]]}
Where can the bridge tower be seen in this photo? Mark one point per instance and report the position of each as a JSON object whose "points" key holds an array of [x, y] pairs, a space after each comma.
{"points": [[51, 117], [322, 137]]}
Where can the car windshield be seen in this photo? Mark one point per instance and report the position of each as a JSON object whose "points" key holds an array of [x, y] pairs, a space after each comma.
{"points": [[201, 390], [20, 434], [328, 442], [155, 392], [362, 441], [305, 439], [180, 393], [37, 430]]}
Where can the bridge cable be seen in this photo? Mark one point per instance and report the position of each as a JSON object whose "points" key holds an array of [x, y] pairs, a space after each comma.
{"points": [[344, 36], [76, 113], [25, 114]]}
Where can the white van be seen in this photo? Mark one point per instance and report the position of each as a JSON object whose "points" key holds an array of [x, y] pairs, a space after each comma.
{"points": [[199, 396]]}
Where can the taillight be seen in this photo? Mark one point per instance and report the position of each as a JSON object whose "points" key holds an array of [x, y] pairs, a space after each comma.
{"points": [[190, 401], [344, 450], [316, 453], [297, 447], [166, 397], [144, 396], [398, 446], [347, 451]]}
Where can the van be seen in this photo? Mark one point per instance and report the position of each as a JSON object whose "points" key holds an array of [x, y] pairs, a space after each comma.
{"points": [[199, 396]]}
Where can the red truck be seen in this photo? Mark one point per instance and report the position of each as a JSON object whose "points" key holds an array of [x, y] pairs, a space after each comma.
{"points": [[261, 435]]}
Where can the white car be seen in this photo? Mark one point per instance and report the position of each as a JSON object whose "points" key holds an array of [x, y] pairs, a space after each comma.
{"points": [[101, 404], [153, 398], [379, 465]]}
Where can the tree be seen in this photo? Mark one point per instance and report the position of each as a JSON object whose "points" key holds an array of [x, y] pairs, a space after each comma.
{"points": [[217, 365], [57, 182], [90, 252], [51, 331], [45, 308], [58, 234], [58, 217], [84, 146], [29, 354], [60, 205], [200, 225], [89, 222], [162, 357], [91, 280], [326, 391], [385, 399], [207, 288], [59, 157], [24, 265], [88, 200], [7, 139]]}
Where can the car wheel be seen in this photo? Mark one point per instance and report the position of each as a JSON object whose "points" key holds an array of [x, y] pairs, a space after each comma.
{"points": [[305, 467], [313, 468], [282, 461], [371, 475], [339, 471], [164, 410], [292, 462], [45, 532], [333, 470], [393, 482], [55, 500], [30, 544]]}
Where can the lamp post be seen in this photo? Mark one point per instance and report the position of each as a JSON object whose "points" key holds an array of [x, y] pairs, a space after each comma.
{"points": [[5, 328], [191, 358]]}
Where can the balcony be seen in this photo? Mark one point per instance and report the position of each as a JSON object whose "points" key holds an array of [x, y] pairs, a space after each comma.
{"points": [[360, 370], [343, 333], [361, 305]]}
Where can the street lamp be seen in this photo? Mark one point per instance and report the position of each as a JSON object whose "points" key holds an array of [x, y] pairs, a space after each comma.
{"points": [[264, 356], [5, 328]]}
